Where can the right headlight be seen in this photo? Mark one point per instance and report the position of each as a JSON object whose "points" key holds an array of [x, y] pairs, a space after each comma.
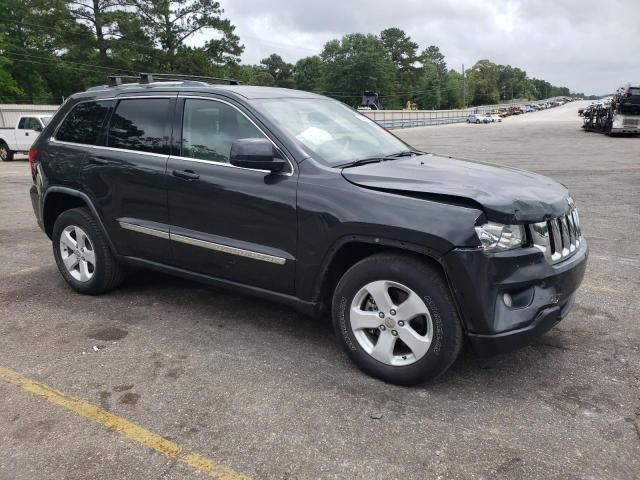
{"points": [[496, 237]]}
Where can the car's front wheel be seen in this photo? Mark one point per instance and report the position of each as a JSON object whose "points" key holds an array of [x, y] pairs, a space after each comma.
{"points": [[394, 315], [82, 254]]}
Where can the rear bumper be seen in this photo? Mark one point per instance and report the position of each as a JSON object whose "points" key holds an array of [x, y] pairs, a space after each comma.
{"points": [[541, 294]]}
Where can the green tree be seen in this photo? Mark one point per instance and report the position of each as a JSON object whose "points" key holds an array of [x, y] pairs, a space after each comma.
{"points": [[403, 53], [454, 90], [9, 89], [100, 17], [483, 78], [356, 63], [280, 71], [306, 73], [171, 23], [433, 56]]}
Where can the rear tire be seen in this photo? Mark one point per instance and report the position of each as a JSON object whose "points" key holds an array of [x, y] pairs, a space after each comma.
{"points": [[83, 255], [417, 308], [6, 155]]}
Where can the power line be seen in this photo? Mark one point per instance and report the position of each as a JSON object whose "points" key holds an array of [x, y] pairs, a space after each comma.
{"points": [[59, 59], [35, 62]]}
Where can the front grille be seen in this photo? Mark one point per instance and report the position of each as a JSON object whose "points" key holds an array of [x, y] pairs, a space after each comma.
{"points": [[558, 238]]}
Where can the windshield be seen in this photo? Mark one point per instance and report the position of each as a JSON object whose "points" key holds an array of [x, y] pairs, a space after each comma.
{"points": [[329, 131], [45, 120]]}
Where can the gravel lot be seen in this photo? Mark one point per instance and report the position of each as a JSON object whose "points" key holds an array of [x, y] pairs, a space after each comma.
{"points": [[257, 387]]}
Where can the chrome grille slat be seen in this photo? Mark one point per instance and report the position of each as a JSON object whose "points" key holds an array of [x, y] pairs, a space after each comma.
{"points": [[558, 238], [566, 243]]}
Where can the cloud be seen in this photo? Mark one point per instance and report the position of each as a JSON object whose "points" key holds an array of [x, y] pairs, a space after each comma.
{"points": [[587, 45]]}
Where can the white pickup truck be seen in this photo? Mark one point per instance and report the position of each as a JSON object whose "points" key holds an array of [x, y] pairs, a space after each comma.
{"points": [[20, 138]]}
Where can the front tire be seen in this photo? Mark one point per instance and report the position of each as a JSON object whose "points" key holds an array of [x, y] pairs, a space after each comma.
{"points": [[83, 255], [395, 318], [6, 155]]}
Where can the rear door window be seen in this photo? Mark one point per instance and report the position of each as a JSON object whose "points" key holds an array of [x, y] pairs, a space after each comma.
{"points": [[140, 124], [83, 123]]}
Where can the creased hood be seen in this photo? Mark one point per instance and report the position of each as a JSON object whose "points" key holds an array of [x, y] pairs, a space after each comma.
{"points": [[507, 195]]}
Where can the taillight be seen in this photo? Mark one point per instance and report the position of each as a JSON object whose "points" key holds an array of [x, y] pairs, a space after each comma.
{"points": [[33, 158]]}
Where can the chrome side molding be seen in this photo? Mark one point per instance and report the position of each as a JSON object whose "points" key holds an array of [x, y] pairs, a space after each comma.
{"points": [[218, 247]]}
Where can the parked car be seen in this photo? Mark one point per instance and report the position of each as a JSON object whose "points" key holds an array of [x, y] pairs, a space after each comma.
{"points": [[20, 138], [627, 99], [493, 117], [477, 118], [297, 198]]}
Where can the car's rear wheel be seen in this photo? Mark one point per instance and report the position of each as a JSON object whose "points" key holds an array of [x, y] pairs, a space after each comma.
{"points": [[394, 315], [82, 254], [6, 155]]}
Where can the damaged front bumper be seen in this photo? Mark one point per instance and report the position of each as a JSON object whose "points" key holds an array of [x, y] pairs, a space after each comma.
{"points": [[506, 299]]}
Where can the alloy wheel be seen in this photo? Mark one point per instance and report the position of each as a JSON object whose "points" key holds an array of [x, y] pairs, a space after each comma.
{"points": [[77, 253], [391, 323]]}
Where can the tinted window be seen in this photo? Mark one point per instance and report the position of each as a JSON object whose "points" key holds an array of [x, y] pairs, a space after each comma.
{"points": [[140, 124], [209, 128], [83, 123]]}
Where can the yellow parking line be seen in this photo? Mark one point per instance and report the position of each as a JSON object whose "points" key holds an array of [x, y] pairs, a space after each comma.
{"points": [[600, 289], [124, 427]]}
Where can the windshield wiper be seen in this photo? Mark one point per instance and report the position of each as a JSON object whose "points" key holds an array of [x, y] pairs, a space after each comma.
{"points": [[403, 153], [393, 156], [362, 161]]}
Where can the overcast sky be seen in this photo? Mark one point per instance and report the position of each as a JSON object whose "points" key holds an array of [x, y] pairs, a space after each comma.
{"points": [[587, 45]]}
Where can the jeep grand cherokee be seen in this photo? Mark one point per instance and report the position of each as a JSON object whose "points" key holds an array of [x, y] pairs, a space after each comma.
{"points": [[295, 197]]}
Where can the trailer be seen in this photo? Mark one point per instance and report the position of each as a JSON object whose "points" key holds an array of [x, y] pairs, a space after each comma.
{"points": [[620, 115]]}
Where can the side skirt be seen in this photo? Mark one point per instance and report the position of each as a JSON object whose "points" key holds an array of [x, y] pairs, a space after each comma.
{"points": [[307, 308]]}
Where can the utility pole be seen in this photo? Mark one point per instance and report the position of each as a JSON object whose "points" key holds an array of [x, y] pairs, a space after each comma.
{"points": [[464, 89]]}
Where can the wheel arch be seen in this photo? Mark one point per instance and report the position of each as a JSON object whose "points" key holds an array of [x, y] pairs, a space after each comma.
{"points": [[347, 251], [60, 199]]}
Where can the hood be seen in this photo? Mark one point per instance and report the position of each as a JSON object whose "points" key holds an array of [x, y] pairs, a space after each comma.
{"points": [[507, 195]]}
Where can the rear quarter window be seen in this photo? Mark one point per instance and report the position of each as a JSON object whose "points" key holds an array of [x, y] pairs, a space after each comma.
{"points": [[83, 123]]}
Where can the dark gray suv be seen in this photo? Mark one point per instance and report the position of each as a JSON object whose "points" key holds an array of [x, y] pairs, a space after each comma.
{"points": [[295, 197]]}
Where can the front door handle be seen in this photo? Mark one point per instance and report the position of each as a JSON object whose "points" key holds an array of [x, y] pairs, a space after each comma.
{"points": [[98, 160], [186, 174]]}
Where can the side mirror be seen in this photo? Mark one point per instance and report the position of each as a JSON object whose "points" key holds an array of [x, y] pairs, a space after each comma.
{"points": [[37, 128], [258, 153]]}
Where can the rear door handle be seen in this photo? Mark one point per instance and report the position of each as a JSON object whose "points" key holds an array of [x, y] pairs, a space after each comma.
{"points": [[186, 174], [98, 160]]}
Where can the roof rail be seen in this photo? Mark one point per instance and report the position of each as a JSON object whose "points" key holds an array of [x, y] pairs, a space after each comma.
{"points": [[146, 78], [116, 80]]}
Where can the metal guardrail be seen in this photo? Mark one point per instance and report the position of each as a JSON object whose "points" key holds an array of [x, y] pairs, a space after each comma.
{"points": [[420, 118], [416, 118]]}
